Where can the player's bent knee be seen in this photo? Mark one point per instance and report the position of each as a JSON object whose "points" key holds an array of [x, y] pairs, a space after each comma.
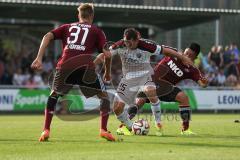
{"points": [[182, 98], [150, 88], [118, 107]]}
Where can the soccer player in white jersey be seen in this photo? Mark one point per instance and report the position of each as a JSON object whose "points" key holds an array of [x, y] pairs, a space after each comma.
{"points": [[135, 56]]}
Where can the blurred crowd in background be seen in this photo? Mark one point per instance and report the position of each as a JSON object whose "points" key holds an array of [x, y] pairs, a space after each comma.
{"points": [[221, 65], [15, 65]]}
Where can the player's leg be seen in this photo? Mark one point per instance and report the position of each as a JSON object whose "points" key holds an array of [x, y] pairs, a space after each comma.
{"points": [[126, 93], [104, 115], [150, 91], [185, 111], [91, 84], [104, 110], [121, 113], [58, 86], [49, 111]]}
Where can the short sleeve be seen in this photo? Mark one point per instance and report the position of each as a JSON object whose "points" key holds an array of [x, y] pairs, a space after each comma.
{"points": [[150, 46], [101, 40], [59, 32], [158, 50]]}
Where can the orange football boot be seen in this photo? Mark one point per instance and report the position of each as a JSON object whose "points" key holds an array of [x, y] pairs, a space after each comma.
{"points": [[107, 135], [44, 136]]}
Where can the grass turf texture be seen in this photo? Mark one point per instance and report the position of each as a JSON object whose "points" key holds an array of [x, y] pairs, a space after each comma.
{"points": [[218, 138]]}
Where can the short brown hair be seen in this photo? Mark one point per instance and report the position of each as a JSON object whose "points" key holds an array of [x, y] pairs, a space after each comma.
{"points": [[86, 10], [131, 33]]}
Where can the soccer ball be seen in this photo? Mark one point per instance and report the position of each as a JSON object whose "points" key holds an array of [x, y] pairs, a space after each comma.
{"points": [[140, 127]]}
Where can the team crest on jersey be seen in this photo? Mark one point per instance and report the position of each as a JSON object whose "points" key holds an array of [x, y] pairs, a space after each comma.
{"points": [[139, 55]]}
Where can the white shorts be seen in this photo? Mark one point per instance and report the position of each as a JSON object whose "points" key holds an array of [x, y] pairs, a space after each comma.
{"points": [[128, 88]]}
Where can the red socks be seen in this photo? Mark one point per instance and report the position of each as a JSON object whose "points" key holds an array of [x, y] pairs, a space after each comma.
{"points": [[48, 118], [185, 114]]}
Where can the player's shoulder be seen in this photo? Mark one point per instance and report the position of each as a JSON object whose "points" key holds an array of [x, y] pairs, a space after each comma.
{"points": [[143, 41], [119, 44], [96, 28], [147, 45], [165, 59], [65, 25], [71, 24]]}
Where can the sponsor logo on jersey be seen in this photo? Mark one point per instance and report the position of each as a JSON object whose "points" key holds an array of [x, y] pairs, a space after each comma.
{"points": [[131, 60], [139, 55], [175, 68]]}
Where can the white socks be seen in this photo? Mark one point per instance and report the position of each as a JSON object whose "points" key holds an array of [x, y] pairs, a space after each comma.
{"points": [[156, 110], [124, 118]]}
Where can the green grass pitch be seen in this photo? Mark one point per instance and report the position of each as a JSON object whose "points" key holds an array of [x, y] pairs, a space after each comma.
{"points": [[218, 138]]}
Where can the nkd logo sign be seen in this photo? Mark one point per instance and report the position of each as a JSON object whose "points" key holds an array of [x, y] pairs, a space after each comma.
{"points": [[175, 68]]}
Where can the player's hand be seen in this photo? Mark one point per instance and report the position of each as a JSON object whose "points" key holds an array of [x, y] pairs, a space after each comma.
{"points": [[106, 49], [203, 82], [37, 64], [107, 78], [107, 53]]}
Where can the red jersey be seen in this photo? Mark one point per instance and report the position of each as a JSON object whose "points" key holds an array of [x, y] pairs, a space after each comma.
{"points": [[79, 39], [173, 70]]}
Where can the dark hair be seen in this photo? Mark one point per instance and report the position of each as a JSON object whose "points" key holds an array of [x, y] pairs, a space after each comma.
{"points": [[131, 33], [195, 48]]}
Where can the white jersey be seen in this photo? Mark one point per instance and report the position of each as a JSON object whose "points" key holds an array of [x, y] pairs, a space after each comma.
{"points": [[136, 63]]}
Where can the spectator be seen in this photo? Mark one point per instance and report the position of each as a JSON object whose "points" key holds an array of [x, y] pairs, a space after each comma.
{"points": [[221, 78], [235, 52], [226, 56], [31, 83], [26, 75], [18, 77], [215, 56], [212, 79], [37, 79], [231, 61], [231, 80], [7, 76]]}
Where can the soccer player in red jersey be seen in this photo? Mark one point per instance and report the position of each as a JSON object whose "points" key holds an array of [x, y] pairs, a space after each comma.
{"points": [[167, 73], [76, 67]]}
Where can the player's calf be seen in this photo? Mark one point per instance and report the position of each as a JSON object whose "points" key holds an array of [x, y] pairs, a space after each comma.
{"points": [[184, 109], [122, 114]]}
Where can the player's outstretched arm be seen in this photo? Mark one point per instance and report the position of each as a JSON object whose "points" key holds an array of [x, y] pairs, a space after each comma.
{"points": [[107, 65], [107, 59], [37, 63], [107, 74], [173, 53]]}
